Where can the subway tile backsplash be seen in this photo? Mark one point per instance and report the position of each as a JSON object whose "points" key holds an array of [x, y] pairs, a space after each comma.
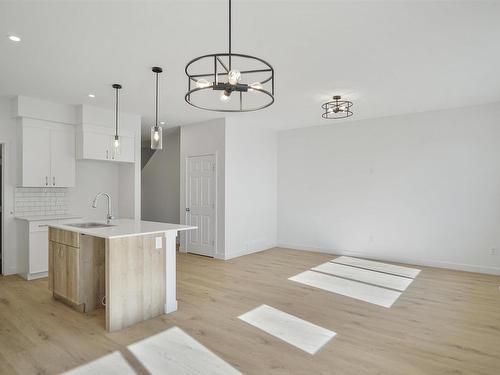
{"points": [[40, 201]]}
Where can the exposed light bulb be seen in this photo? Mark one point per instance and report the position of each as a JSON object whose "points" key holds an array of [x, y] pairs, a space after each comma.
{"points": [[156, 138], [116, 142], [14, 38], [255, 85], [225, 96], [203, 83], [234, 76]]}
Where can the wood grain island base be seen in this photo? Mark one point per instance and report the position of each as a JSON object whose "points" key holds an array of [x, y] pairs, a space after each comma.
{"points": [[128, 269]]}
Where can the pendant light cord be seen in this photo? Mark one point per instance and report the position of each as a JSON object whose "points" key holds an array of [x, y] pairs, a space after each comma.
{"points": [[229, 34], [156, 118], [116, 113]]}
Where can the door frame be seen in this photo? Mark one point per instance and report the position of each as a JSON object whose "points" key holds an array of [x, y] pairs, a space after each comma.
{"points": [[216, 203], [3, 145]]}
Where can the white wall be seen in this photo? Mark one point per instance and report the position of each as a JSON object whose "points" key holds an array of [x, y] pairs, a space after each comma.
{"points": [[161, 182], [421, 188], [251, 186], [205, 138], [93, 177]]}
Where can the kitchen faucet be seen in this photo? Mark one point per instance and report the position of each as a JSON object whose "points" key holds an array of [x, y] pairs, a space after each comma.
{"points": [[109, 217]]}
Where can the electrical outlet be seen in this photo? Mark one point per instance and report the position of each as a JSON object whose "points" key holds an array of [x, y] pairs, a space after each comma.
{"points": [[159, 242], [493, 251]]}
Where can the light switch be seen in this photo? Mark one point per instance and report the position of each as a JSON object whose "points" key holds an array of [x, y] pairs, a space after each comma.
{"points": [[158, 241]]}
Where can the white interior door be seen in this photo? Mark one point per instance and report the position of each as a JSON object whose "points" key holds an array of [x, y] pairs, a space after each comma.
{"points": [[200, 204]]}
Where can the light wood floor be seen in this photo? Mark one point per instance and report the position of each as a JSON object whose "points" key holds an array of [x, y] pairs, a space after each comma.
{"points": [[446, 322]]}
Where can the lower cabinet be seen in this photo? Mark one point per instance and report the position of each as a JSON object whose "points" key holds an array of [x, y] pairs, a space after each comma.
{"points": [[65, 271], [76, 269]]}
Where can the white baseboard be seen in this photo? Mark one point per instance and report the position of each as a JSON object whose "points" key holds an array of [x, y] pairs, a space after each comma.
{"points": [[34, 276], [411, 261], [248, 251]]}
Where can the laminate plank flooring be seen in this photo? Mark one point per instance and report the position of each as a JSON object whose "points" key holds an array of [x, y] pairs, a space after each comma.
{"points": [[447, 322]]}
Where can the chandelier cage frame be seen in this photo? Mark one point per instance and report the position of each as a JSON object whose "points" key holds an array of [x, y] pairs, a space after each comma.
{"points": [[221, 70], [337, 108]]}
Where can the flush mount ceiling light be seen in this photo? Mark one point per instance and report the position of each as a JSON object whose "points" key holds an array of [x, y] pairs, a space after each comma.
{"points": [[116, 142], [213, 80], [14, 38], [92, 96], [337, 108], [156, 131]]}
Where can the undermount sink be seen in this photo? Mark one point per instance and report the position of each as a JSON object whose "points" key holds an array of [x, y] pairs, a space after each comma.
{"points": [[90, 225]]}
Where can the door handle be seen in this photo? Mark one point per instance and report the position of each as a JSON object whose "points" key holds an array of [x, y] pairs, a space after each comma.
{"points": [[188, 209]]}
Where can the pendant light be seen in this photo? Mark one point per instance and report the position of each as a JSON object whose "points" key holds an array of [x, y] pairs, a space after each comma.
{"points": [[224, 80], [156, 131], [116, 142]]}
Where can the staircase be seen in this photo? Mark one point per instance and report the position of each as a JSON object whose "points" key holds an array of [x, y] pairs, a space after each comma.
{"points": [[146, 154]]}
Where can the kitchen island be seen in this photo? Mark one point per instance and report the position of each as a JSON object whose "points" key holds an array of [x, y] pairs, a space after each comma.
{"points": [[127, 266]]}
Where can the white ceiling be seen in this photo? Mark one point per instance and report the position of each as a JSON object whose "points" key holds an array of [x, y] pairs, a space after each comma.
{"points": [[388, 57]]}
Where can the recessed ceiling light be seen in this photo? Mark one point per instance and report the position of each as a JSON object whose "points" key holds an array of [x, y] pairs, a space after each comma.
{"points": [[162, 122], [14, 38], [91, 95]]}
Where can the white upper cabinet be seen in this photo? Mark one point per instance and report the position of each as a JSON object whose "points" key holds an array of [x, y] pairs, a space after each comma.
{"points": [[97, 143], [46, 154], [35, 168], [62, 161]]}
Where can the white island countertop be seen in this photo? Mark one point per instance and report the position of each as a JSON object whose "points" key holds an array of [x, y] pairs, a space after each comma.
{"points": [[125, 228]]}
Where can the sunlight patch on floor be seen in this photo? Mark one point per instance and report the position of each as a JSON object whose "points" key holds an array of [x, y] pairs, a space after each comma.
{"points": [[291, 329], [175, 352], [378, 266], [361, 291], [111, 364], [366, 276]]}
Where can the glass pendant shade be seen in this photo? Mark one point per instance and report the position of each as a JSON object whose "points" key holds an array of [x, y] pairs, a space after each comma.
{"points": [[116, 146], [156, 131], [156, 138]]}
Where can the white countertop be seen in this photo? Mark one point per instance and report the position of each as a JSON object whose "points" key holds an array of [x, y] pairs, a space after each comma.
{"points": [[47, 217], [125, 228]]}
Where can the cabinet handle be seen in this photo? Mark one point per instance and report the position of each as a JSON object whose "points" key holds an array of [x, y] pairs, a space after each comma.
{"points": [[107, 154], [53, 181], [46, 181], [42, 225]]}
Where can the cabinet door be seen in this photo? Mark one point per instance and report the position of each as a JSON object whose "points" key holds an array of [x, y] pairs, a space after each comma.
{"points": [[63, 165], [66, 271], [73, 273], [51, 265], [35, 156], [38, 251], [60, 270], [96, 146]]}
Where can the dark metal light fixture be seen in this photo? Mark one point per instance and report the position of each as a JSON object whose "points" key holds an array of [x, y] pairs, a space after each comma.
{"points": [[217, 75], [156, 131], [116, 142], [337, 108]]}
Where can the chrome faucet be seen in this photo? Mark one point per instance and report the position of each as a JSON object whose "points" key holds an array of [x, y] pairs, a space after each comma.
{"points": [[109, 217]]}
